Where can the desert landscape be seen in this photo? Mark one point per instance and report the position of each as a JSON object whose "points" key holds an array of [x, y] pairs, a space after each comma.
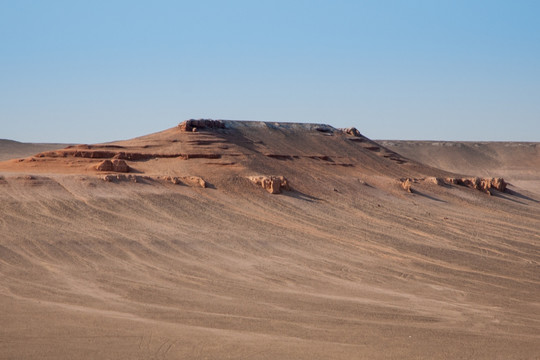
{"points": [[219, 239]]}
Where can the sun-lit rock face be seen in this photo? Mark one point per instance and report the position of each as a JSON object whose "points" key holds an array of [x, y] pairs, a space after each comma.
{"points": [[482, 184], [272, 184], [486, 185], [406, 185]]}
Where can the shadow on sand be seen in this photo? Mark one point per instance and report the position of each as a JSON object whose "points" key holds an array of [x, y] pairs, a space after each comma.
{"points": [[300, 196], [416, 192], [508, 194]]}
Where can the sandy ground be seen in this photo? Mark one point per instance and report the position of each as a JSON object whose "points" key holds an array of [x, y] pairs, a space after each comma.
{"points": [[346, 265]]}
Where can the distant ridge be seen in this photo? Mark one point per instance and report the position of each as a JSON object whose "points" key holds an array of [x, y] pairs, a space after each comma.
{"points": [[10, 149]]}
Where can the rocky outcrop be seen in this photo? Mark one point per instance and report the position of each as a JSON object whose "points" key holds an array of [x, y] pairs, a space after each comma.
{"points": [[191, 181], [123, 155], [351, 131], [499, 184], [122, 177], [103, 154], [174, 179], [113, 165], [199, 156], [200, 124], [406, 185], [435, 180], [482, 184], [90, 154], [195, 181], [272, 184]]}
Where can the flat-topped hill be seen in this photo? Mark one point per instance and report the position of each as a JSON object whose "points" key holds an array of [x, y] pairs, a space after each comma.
{"points": [[221, 143], [218, 151]]}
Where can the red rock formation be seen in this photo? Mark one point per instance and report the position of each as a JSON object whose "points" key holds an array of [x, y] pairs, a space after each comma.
{"points": [[120, 166], [499, 184], [435, 180], [132, 156], [194, 181], [482, 184], [272, 184], [108, 178], [105, 165], [125, 177], [114, 165], [175, 180], [406, 185], [199, 156]]}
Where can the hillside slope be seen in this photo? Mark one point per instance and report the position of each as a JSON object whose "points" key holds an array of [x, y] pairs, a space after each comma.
{"points": [[344, 263]]}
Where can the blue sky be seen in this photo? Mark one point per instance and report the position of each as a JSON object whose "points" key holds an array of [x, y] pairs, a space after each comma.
{"points": [[94, 71]]}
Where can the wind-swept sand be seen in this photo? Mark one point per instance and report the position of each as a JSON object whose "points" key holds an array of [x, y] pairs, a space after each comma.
{"points": [[185, 257]]}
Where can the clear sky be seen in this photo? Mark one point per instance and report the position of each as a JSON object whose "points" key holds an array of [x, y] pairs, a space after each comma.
{"points": [[94, 71]]}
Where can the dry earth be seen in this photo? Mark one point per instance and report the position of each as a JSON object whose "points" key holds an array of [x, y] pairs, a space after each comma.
{"points": [[186, 256]]}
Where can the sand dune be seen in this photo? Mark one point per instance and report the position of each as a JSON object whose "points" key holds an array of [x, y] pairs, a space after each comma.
{"points": [[150, 264]]}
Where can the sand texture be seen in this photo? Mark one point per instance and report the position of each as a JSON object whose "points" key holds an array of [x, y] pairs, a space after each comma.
{"points": [[250, 240]]}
